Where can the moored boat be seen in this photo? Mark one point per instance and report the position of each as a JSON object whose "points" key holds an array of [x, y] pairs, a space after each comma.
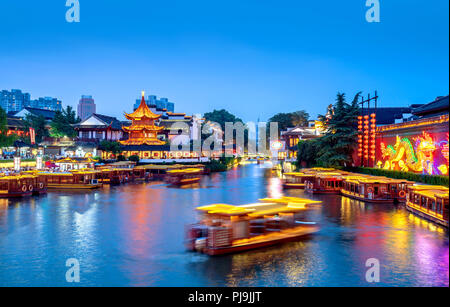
{"points": [[225, 229], [324, 183], [39, 182], [375, 189], [16, 186], [139, 174], [295, 180], [430, 202], [158, 171], [108, 175], [183, 176], [76, 179]]}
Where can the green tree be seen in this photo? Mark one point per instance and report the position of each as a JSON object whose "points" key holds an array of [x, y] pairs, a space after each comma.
{"points": [[38, 124], [337, 145], [134, 158], [300, 118], [110, 146], [284, 121], [5, 139], [287, 120], [325, 118], [62, 123], [221, 117], [307, 152]]}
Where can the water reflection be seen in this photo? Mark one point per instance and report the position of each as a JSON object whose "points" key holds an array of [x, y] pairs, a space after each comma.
{"points": [[133, 235]]}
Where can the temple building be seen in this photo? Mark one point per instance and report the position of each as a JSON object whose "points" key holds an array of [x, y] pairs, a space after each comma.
{"points": [[143, 130], [418, 144], [149, 135], [98, 127], [292, 136]]}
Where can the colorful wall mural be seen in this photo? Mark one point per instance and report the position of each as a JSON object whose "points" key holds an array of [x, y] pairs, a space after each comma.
{"points": [[420, 152]]}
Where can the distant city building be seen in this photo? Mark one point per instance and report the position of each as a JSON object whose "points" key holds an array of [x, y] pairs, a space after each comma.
{"points": [[15, 100], [46, 103], [86, 107], [157, 106]]}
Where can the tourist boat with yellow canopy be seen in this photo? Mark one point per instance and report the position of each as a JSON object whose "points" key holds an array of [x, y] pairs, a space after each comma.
{"points": [[39, 182], [183, 176], [375, 189], [430, 202], [108, 175], [159, 171], [21, 185], [296, 180], [324, 183], [139, 174], [75, 179], [122, 171], [225, 229]]}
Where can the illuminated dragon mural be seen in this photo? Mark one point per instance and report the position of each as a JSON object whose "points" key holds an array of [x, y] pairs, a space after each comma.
{"points": [[418, 156]]}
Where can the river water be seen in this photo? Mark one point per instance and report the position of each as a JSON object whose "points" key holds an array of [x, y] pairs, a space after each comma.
{"points": [[132, 235]]}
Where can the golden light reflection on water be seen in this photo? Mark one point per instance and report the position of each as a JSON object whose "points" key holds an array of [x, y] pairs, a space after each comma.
{"points": [[4, 204], [290, 259], [141, 209], [141, 206], [274, 187], [423, 223], [351, 209]]}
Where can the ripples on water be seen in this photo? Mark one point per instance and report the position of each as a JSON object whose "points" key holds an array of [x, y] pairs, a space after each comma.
{"points": [[132, 235]]}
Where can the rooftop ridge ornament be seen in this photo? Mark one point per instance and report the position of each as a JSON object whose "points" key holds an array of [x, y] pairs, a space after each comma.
{"points": [[142, 112]]}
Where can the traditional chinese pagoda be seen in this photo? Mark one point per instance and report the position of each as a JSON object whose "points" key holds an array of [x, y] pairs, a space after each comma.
{"points": [[143, 134], [143, 130]]}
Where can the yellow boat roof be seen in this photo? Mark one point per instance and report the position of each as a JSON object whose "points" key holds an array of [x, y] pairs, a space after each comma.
{"points": [[374, 179], [55, 174], [429, 187], [16, 177], [433, 194], [431, 191], [328, 175], [157, 166], [299, 174], [274, 211], [268, 206], [289, 200], [224, 209], [185, 170], [84, 171]]}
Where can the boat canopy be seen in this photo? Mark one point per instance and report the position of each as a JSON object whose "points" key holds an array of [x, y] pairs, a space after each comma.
{"points": [[431, 191], [185, 171], [266, 207]]}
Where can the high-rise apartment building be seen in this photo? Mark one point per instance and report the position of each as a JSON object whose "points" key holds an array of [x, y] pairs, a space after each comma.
{"points": [[159, 104], [15, 100], [86, 107], [46, 103]]}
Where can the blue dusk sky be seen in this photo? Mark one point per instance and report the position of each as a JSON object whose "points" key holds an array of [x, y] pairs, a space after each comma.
{"points": [[254, 58]]}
